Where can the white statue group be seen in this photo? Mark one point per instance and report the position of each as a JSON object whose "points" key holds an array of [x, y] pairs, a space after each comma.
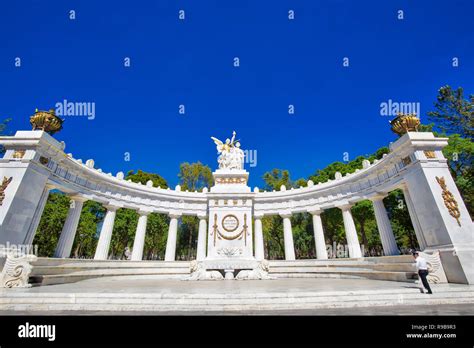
{"points": [[231, 155]]}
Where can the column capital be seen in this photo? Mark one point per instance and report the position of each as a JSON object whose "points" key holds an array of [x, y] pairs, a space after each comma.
{"points": [[201, 216], [286, 214], [111, 207], [78, 198], [315, 211], [377, 196], [144, 212], [258, 216], [344, 206], [50, 186], [174, 215]]}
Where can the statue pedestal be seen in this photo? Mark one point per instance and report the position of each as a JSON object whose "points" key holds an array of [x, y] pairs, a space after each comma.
{"points": [[230, 181], [230, 220]]}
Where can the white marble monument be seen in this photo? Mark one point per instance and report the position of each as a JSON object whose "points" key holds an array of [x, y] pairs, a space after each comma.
{"points": [[35, 163]]}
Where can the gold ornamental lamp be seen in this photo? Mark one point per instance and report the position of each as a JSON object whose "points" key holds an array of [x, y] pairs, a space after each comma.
{"points": [[404, 123], [46, 121]]}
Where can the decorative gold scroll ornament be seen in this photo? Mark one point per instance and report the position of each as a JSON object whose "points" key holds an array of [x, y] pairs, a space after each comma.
{"points": [[3, 187], [231, 180], [449, 200], [429, 154], [214, 229], [18, 154]]}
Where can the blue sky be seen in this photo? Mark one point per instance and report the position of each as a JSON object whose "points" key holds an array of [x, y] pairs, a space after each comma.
{"points": [[190, 62]]}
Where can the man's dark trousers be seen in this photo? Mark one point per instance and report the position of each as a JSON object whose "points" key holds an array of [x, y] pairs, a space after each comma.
{"points": [[423, 274]]}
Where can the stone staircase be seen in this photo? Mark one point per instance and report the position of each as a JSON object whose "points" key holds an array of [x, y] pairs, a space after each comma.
{"points": [[50, 271], [394, 268], [154, 301]]}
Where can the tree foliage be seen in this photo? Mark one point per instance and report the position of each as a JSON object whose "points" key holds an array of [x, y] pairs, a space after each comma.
{"points": [[453, 113], [143, 177], [192, 177]]}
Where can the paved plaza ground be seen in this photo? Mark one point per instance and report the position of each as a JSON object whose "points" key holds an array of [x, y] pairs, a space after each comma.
{"points": [[164, 286]]}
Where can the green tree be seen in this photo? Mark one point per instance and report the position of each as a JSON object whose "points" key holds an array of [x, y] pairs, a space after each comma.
{"points": [[192, 177], [459, 153], [3, 127], [157, 224], [333, 226], [123, 234], [195, 176], [51, 223], [362, 212], [276, 178], [400, 220], [453, 113], [156, 236], [143, 177], [87, 235]]}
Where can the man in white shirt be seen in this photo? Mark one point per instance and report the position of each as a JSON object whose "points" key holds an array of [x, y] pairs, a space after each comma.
{"points": [[422, 267]]}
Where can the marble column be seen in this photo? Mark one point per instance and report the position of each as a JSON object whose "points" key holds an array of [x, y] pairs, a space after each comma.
{"points": [[259, 249], [288, 237], [170, 254], [30, 236], [139, 242], [68, 233], [102, 251], [201, 247], [385, 228], [414, 219], [319, 240], [351, 232]]}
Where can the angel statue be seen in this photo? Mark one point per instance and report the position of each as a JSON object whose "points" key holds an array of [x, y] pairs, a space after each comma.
{"points": [[231, 155]]}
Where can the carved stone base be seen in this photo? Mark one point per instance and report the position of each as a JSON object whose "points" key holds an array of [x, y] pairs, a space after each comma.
{"points": [[436, 273], [199, 272], [260, 272], [16, 271], [212, 270]]}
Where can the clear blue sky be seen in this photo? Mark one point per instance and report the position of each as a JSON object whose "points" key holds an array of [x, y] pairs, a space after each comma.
{"points": [[190, 62]]}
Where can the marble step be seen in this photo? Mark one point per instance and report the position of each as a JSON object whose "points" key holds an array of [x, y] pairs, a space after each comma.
{"points": [[72, 277], [53, 270], [49, 262], [374, 275], [392, 267]]}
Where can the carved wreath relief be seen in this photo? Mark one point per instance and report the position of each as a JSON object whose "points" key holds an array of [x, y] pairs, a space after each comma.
{"points": [[230, 223], [449, 200]]}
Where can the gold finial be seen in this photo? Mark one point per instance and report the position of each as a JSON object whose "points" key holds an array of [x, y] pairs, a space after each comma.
{"points": [[404, 123], [46, 121]]}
